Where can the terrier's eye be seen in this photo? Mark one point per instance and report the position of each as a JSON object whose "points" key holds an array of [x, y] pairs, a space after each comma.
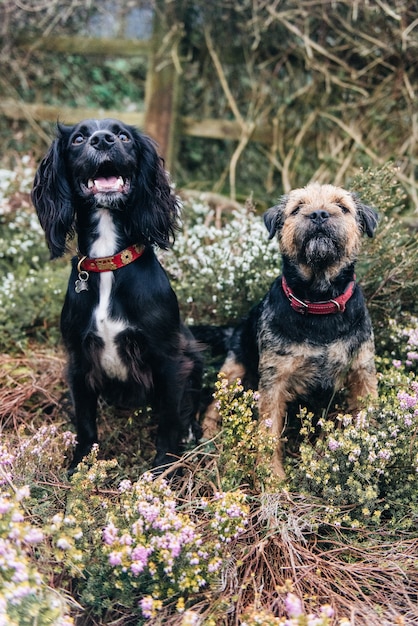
{"points": [[78, 139], [343, 208], [295, 209], [124, 136]]}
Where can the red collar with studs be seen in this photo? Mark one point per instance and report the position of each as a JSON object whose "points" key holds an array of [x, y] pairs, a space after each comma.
{"points": [[110, 263], [336, 305]]}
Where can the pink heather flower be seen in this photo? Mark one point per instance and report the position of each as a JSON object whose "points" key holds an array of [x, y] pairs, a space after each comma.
{"points": [[21, 574], [147, 606], [137, 567], [384, 454], [17, 517], [5, 506], [293, 605], [333, 444], [361, 419], [126, 539], [69, 439], [190, 618], [34, 535], [396, 363], [115, 559], [268, 422], [214, 565], [5, 457], [110, 534], [140, 559], [148, 511], [125, 485], [406, 401]]}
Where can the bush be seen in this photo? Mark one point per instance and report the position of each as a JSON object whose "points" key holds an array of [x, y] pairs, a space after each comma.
{"points": [[224, 541], [218, 267]]}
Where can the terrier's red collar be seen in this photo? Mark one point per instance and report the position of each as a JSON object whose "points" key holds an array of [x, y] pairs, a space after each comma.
{"points": [[110, 263], [336, 305]]}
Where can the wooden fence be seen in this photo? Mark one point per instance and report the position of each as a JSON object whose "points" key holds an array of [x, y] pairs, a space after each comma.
{"points": [[161, 119]]}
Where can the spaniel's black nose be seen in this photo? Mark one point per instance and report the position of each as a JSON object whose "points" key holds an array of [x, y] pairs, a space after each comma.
{"points": [[102, 140]]}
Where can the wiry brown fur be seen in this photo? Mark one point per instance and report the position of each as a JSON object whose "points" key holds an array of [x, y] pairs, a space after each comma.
{"points": [[305, 358]]}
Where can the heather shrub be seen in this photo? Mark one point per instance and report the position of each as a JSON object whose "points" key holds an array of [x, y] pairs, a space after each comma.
{"points": [[366, 466], [220, 264], [218, 270], [244, 448], [143, 550], [25, 596], [218, 543], [32, 289]]}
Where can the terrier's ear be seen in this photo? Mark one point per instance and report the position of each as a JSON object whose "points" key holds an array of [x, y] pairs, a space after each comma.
{"points": [[367, 215], [274, 217]]}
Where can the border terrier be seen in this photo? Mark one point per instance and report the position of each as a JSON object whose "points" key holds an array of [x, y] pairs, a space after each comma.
{"points": [[311, 335]]}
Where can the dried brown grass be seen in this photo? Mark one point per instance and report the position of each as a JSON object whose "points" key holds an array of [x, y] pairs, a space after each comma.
{"points": [[31, 385]]}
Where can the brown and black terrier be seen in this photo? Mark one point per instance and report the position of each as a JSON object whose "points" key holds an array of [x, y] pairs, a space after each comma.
{"points": [[311, 335]]}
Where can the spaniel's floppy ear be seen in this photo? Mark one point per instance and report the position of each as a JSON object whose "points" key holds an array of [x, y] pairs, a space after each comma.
{"points": [[51, 197], [159, 209], [274, 217], [368, 217]]}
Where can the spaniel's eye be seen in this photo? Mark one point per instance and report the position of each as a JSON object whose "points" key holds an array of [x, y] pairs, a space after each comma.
{"points": [[124, 137], [78, 139]]}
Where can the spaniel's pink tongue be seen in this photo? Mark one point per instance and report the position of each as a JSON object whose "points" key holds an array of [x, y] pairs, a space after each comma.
{"points": [[107, 184]]}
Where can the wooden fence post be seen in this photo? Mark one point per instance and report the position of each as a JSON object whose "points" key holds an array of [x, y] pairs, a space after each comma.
{"points": [[162, 97]]}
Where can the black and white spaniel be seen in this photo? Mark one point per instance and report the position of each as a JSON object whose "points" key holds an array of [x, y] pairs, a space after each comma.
{"points": [[104, 181]]}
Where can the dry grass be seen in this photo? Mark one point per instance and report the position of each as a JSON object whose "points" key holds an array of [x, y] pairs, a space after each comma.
{"points": [[31, 385]]}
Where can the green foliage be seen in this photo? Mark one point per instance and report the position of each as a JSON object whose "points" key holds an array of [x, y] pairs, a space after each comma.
{"points": [[113, 83], [245, 449], [388, 263]]}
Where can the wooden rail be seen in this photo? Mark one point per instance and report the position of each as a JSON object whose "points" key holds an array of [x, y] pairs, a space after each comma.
{"points": [[91, 46], [161, 117], [208, 128]]}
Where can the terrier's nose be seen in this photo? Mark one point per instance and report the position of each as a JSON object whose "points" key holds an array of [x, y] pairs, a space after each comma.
{"points": [[102, 140], [319, 216]]}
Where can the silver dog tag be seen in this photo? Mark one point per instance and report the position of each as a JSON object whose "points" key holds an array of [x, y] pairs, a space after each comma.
{"points": [[81, 283]]}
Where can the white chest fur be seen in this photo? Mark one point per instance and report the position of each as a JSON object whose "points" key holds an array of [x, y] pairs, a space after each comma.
{"points": [[108, 327]]}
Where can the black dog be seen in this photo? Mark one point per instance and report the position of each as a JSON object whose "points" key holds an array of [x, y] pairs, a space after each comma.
{"points": [[120, 323], [311, 335]]}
